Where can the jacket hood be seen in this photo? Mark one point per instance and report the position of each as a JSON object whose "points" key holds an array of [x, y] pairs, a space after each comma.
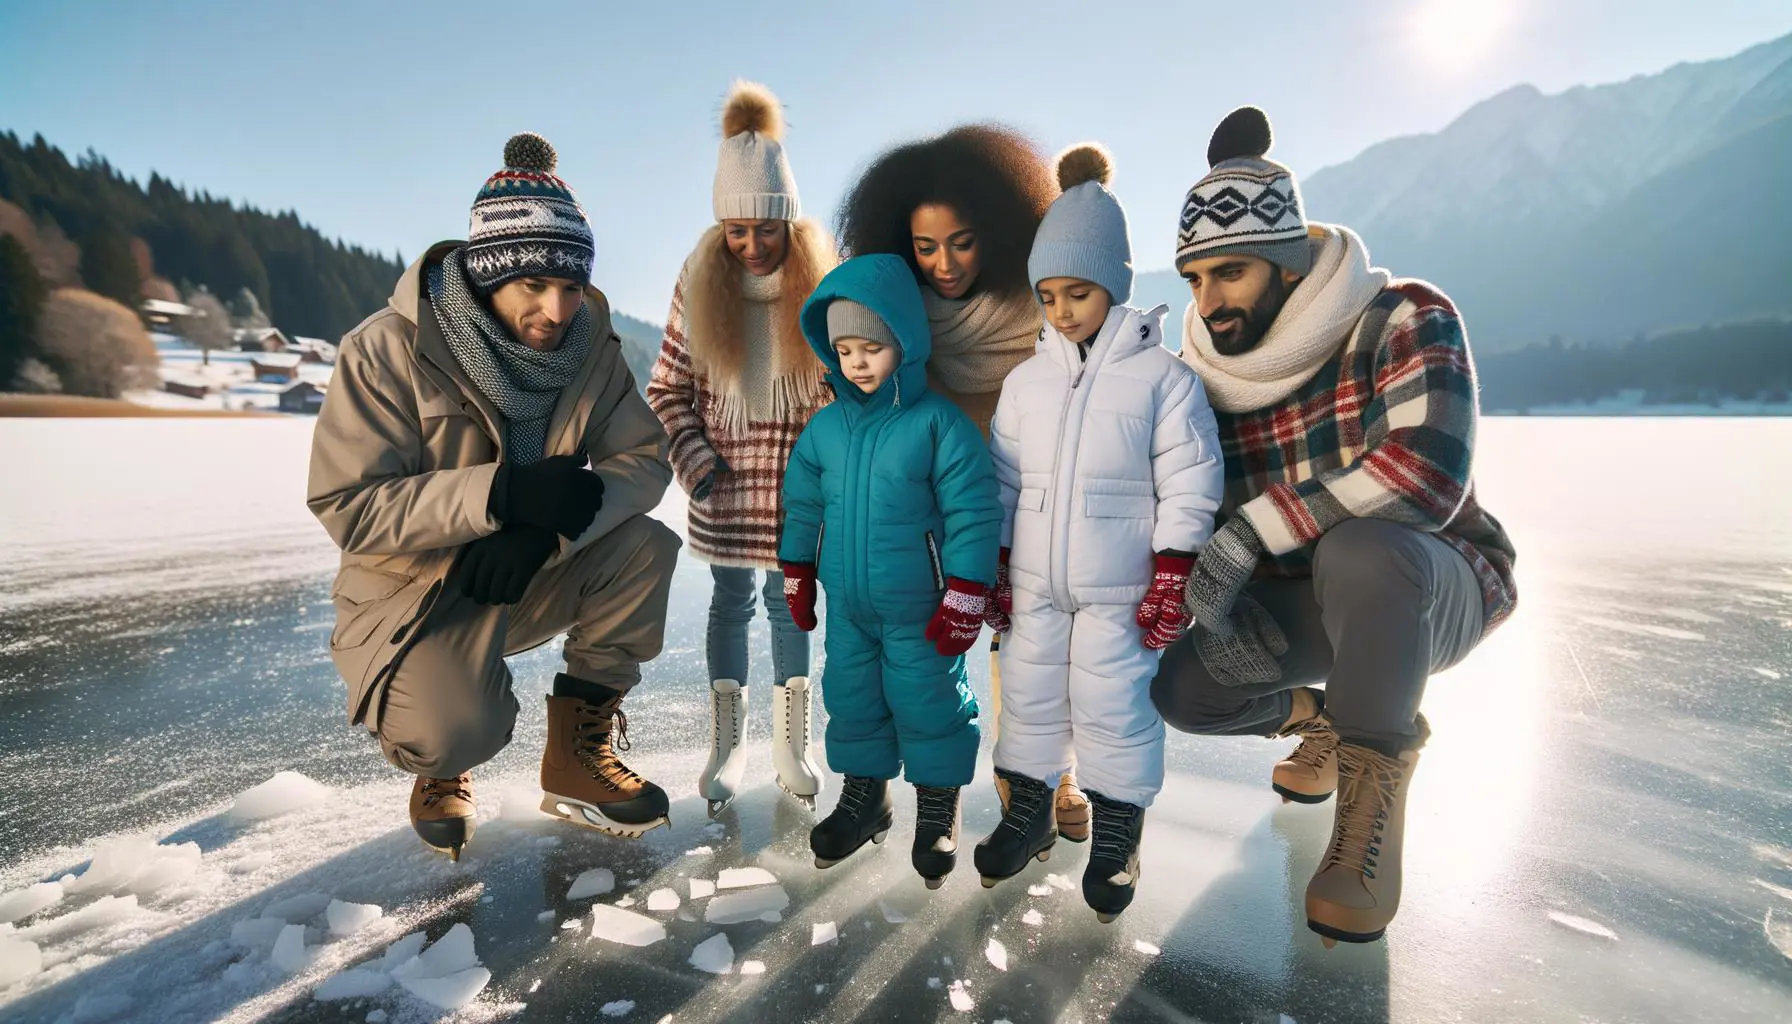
{"points": [[884, 284], [1125, 331]]}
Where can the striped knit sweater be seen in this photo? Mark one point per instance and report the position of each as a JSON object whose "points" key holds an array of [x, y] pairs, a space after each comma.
{"points": [[737, 523], [1385, 429]]}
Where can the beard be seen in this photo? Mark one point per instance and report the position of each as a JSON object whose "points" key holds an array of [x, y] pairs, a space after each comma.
{"points": [[1250, 325]]}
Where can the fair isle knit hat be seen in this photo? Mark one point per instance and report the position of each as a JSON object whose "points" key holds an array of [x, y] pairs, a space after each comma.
{"points": [[753, 180], [527, 222], [1247, 203], [1083, 234], [849, 319]]}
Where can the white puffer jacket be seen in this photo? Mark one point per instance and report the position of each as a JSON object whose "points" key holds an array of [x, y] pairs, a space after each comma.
{"points": [[1104, 462]]}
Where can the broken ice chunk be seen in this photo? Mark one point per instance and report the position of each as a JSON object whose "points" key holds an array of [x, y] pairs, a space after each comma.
{"points": [[284, 793], [662, 899], [698, 851], [400, 951], [961, 1000], [451, 953], [769, 917], [257, 932], [626, 901], [137, 865], [298, 909], [714, 954], [741, 878], [822, 932], [701, 888], [996, 954], [1060, 882], [18, 960], [1145, 947], [735, 907], [357, 983], [891, 914], [752, 967], [624, 926], [349, 918], [546, 915], [451, 992], [1033, 917], [595, 882], [618, 1008], [1039, 890], [1582, 925], [289, 949], [22, 903]]}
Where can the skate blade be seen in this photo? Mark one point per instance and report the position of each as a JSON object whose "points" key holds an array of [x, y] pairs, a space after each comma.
{"points": [[718, 806], [934, 883], [876, 840], [586, 816], [453, 852], [1104, 917], [806, 799]]}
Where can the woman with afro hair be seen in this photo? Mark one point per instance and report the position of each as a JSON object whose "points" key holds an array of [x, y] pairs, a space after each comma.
{"points": [[962, 209]]}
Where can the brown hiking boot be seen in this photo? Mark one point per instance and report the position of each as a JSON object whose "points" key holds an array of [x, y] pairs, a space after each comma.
{"points": [[1356, 891], [1309, 775], [582, 779], [1071, 808], [442, 812]]}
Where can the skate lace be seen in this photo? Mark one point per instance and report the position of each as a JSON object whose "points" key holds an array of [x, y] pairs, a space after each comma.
{"points": [[1025, 798], [934, 809], [1369, 783], [727, 707], [435, 790], [595, 750], [1317, 742], [1114, 821], [853, 794]]}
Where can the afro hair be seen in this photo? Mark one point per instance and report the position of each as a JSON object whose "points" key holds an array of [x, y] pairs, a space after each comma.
{"points": [[992, 176]]}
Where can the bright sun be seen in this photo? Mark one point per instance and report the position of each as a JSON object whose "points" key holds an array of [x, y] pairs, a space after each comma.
{"points": [[1455, 33]]}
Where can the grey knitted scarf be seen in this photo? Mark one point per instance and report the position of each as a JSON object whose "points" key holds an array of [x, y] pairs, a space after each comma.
{"points": [[524, 383]]}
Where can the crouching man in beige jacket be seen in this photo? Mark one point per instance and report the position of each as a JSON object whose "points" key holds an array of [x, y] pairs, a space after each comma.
{"points": [[485, 464]]}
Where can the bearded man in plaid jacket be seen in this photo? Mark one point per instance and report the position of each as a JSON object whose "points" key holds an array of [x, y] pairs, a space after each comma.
{"points": [[1353, 553]]}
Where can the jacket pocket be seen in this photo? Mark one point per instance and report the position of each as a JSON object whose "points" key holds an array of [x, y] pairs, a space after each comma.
{"points": [[933, 562], [1119, 499], [1032, 499], [360, 596]]}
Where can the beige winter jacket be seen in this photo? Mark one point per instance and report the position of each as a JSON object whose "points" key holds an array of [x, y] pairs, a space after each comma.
{"points": [[402, 464]]}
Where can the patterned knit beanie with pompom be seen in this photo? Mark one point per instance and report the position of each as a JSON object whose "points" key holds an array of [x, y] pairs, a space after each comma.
{"points": [[526, 222]]}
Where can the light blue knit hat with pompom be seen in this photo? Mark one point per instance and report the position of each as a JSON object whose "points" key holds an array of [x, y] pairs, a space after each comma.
{"points": [[1084, 233]]}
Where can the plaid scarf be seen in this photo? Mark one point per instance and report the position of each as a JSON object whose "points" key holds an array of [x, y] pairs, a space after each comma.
{"points": [[524, 383]]}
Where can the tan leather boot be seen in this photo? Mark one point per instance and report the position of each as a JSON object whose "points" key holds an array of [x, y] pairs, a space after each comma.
{"points": [[1308, 775], [1356, 892], [1071, 808], [582, 779], [442, 812]]}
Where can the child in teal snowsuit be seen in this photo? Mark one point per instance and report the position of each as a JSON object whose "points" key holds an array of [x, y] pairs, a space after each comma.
{"points": [[891, 504]]}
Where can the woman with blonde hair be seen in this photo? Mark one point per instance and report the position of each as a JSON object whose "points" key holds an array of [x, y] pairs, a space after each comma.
{"points": [[735, 384]]}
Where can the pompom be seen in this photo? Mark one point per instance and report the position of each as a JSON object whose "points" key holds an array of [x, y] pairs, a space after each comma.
{"points": [[1085, 161], [530, 152], [1243, 132], [751, 107]]}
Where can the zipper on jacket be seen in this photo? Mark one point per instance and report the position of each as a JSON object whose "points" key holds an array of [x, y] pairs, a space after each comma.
{"points": [[933, 559], [819, 535]]}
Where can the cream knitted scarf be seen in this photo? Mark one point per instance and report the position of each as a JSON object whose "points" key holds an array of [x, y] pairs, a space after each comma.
{"points": [[976, 341], [1320, 315]]}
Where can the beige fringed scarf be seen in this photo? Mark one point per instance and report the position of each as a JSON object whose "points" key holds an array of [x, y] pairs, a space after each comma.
{"points": [[976, 342], [743, 332]]}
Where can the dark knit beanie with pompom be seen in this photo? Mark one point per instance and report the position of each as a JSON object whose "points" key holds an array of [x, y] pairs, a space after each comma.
{"points": [[526, 222], [1247, 203]]}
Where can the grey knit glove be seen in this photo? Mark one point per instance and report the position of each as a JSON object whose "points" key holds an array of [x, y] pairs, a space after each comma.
{"points": [[1246, 654], [1221, 573]]}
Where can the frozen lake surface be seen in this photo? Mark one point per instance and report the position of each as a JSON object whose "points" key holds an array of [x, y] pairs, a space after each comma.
{"points": [[1600, 830]]}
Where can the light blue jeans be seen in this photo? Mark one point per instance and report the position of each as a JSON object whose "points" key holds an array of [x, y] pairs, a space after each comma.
{"points": [[731, 612]]}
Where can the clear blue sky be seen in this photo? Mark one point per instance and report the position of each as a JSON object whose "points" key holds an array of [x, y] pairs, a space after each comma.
{"points": [[377, 122]]}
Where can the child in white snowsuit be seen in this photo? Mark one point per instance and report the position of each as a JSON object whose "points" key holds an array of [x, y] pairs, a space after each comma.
{"points": [[1108, 457]]}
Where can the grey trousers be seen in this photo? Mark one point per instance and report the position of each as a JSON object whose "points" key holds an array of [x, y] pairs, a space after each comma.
{"points": [[449, 707], [1386, 607]]}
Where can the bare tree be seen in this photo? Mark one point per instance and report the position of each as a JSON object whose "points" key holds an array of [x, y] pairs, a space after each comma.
{"points": [[209, 326], [35, 377], [246, 310], [97, 346]]}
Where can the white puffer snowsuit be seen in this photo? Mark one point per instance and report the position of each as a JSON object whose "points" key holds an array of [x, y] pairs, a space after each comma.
{"points": [[1103, 462]]}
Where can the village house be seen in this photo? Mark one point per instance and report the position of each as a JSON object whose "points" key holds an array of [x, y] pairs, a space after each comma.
{"points": [[262, 339], [164, 316], [275, 368], [303, 397], [186, 387]]}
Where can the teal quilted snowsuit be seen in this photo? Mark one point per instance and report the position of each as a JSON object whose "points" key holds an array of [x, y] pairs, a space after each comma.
{"points": [[889, 494]]}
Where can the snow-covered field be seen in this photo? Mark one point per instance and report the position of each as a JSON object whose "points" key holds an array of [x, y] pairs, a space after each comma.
{"points": [[1601, 829]]}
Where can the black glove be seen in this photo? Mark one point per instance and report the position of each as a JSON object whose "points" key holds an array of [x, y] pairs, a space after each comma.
{"points": [[497, 569], [558, 493]]}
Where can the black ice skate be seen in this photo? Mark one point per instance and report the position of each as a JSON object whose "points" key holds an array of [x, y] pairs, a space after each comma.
{"points": [[863, 814], [1027, 830], [1113, 871], [935, 852]]}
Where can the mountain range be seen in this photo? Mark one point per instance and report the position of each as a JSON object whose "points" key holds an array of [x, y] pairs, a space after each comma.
{"points": [[1596, 214]]}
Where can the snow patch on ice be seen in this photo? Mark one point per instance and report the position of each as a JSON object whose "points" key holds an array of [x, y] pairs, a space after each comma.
{"points": [[1039, 890], [284, 793], [1059, 882], [662, 900], [19, 960], [1583, 925], [251, 863], [137, 865], [822, 932], [617, 1008], [749, 967], [107, 910], [1033, 917], [735, 907], [961, 1000], [996, 954], [624, 926], [22, 903], [741, 878], [349, 918], [595, 882], [698, 851], [714, 954]]}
